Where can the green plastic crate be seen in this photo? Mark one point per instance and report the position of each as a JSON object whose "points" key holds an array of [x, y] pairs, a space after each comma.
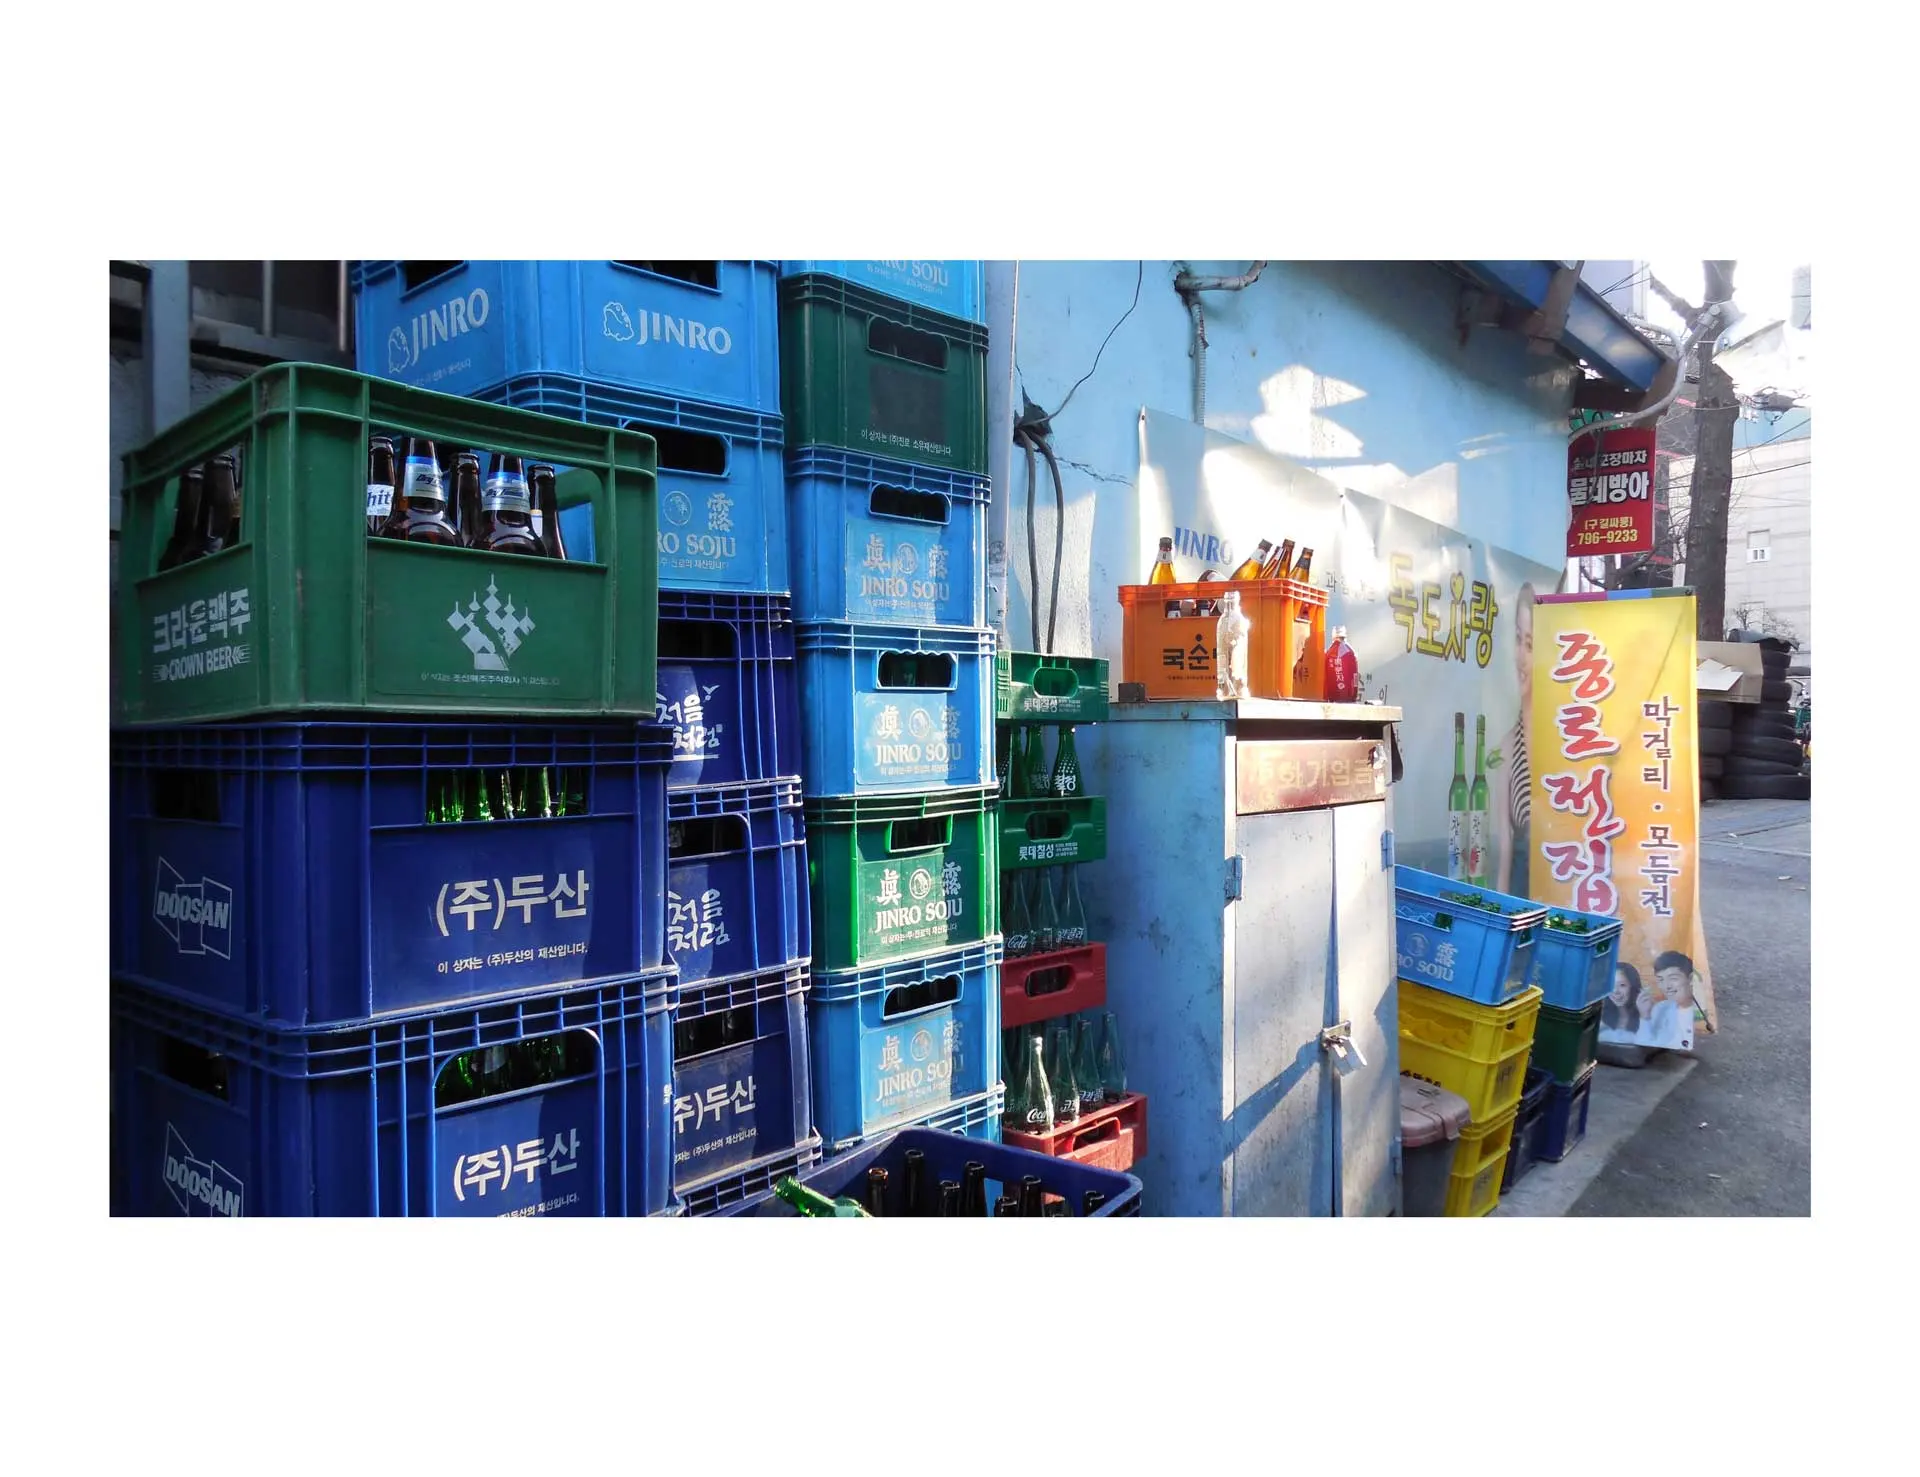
{"points": [[871, 373], [1566, 1042], [897, 876], [1030, 688], [1046, 833], [308, 613]]}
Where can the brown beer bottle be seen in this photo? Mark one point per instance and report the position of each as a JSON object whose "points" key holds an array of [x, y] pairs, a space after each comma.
{"points": [[380, 484], [1303, 571], [1281, 564], [1250, 567], [466, 499], [1162, 573], [219, 506], [506, 511], [546, 511], [186, 520], [420, 502]]}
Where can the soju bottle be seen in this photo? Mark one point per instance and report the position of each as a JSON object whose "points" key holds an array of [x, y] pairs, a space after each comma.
{"points": [[1065, 781], [481, 791], [1072, 930], [1037, 780], [1046, 917], [1113, 1064], [1066, 1089], [1038, 1114], [813, 1203], [1477, 868], [1086, 1066], [1457, 803], [1018, 925]]}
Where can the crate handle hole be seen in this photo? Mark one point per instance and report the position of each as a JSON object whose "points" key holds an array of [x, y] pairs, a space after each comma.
{"points": [[677, 449], [921, 995], [928, 670], [700, 274], [1055, 682], [897, 341], [715, 1032], [708, 835], [1048, 825], [1044, 982], [695, 641], [184, 795], [415, 275], [194, 1067], [515, 1066], [1100, 1133], [920, 834], [912, 507]]}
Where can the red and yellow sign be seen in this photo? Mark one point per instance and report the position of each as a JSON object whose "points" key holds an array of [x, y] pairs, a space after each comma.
{"points": [[1615, 800], [1610, 488]]}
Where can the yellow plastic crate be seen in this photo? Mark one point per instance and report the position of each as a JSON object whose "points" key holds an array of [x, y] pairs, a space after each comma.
{"points": [[1477, 1193], [1482, 1144], [1501, 1035]]}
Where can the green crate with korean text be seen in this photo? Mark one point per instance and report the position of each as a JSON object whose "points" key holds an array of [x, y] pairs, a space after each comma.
{"points": [[1031, 688], [1052, 832]]}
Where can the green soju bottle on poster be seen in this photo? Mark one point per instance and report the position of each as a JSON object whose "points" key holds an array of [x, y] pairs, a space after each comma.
{"points": [[1457, 803], [1478, 867]]}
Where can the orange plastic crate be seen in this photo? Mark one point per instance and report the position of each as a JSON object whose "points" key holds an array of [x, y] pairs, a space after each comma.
{"points": [[1173, 655]]}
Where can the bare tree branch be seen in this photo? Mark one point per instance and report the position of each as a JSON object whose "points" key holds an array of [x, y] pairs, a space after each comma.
{"points": [[1687, 311]]}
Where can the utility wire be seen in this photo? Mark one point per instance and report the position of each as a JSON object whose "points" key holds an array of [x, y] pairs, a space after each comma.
{"points": [[1139, 276]]}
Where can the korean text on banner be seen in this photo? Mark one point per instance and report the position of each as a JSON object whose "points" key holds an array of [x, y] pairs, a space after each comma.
{"points": [[1616, 802], [1610, 487]]}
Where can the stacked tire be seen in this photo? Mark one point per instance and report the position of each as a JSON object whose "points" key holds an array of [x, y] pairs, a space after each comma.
{"points": [[1748, 750]]}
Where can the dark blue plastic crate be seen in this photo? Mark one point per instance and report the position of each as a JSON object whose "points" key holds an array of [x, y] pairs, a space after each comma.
{"points": [[886, 542], [737, 885], [695, 330], [947, 1155], [1477, 953], [286, 872], [896, 1042], [728, 688], [742, 1078], [1563, 1121], [895, 710], [1526, 1123], [1575, 970], [730, 1194], [723, 511], [216, 1117], [953, 288]]}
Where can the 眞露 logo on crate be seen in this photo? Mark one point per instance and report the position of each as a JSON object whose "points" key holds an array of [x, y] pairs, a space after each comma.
{"points": [[196, 915], [199, 1186]]}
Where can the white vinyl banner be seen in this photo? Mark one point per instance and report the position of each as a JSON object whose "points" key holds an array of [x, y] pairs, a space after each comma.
{"points": [[1442, 626]]}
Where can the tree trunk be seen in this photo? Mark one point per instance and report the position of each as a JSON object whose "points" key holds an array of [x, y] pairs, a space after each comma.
{"points": [[1715, 415]]}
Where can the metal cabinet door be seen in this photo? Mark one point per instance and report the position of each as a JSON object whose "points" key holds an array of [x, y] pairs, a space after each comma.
{"points": [[1367, 1098], [1281, 1133]]}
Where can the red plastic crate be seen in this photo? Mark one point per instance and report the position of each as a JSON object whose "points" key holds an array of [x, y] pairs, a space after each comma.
{"points": [[1084, 987], [1113, 1137]]}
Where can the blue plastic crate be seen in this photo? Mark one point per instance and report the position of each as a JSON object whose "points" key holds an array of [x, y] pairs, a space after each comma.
{"points": [[216, 1117], [947, 1156], [1563, 1122], [896, 1042], [1473, 952], [1526, 1123], [1575, 970], [737, 885], [287, 872], [953, 288], [731, 1194], [728, 688], [695, 330], [723, 511], [886, 542], [742, 1077], [895, 710]]}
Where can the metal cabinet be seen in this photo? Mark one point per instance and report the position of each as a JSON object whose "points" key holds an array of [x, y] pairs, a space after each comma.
{"points": [[1247, 905]]}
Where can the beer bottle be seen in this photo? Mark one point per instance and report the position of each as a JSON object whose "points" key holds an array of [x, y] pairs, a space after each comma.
{"points": [[1072, 932], [1207, 576], [1037, 1110], [546, 510], [949, 1199], [916, 1174], [1091, 1201], [381, 480], [1039, 781], [1006, 1206], [1064, 783], [1281, 564], [420, 506], [1162, 564], [973, 1189], [506, 511], [813, 1203], [1031, 1195], [1086, 1065], [184, 545], [1058, 1208], [1066, 1090], [1303, 571], [876, 1191], [1018, 925], [1112, 1061], [1250, 567], [1046, 917], [464, 509], [219, 506]]}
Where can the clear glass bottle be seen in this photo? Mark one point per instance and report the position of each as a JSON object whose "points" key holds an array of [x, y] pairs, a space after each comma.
{"points": [[1038, 1111], [1066, 1091], [1016, 926], [1112, 1061], [1071, 931], [1231, 636], [1046, 914], [1086, 1066]]}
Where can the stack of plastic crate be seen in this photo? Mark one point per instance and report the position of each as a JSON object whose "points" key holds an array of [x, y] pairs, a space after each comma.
{"points": [[883, 388], [388, 834], [687, 353]]}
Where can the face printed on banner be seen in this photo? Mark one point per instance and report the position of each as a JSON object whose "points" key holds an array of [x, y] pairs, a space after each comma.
{"points": [[1622, 988]]}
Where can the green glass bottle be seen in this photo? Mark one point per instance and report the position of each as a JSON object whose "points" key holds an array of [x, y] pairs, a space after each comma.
{"points": [[1477, 867], [813, 1203], [1457, 803], [1072, 930], [1086, 1065], [1066, 1090], [1064, 782], [506, 810], [480, 792], [1037, 782], [1113, 1063], [1046, 916]]}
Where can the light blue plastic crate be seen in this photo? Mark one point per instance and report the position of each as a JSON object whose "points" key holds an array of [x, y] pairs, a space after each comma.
{"points": [[895, 710], [954, 288], [885, 542], [696, 330], [1481, 954], [1573, 970], [904, 1042], [723, 508]]}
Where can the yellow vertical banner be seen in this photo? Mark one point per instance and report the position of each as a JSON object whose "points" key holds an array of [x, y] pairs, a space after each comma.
{"points": [[1615, 801]]}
